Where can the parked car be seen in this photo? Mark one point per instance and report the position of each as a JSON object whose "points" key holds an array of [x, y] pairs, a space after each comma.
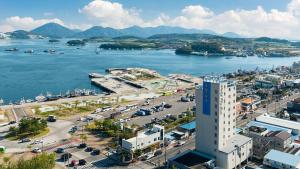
{"points": [[60, 150], [167, 106], [66, 156], [37, 142], [82, 162], [82, 145], [89, 149], [158, 152], [74, 163], [12, 122], [51, 118], [180, 143], [184, 99], [96, 152], [36, 150], [25, 140]]}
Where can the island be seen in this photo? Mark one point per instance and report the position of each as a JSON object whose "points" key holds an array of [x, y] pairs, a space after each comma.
{"points": [[76, 43]]}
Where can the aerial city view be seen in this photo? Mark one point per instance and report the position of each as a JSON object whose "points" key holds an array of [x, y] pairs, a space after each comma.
{"points": [[138, 84]]}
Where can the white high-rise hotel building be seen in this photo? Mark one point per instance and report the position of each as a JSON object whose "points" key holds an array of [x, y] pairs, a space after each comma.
{"points": [[216, 124]]}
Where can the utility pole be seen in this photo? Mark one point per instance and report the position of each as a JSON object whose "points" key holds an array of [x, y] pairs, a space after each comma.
{"points": [[165, 147]]}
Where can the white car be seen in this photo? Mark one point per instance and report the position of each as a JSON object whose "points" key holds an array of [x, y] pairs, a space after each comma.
{"points": [[36, 150], [37, 142]]}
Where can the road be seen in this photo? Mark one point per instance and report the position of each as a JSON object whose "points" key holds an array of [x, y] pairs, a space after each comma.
{"points": [[173, 151]]}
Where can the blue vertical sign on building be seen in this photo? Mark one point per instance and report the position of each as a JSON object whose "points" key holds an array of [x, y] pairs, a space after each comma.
{"points": [[206, 98]]}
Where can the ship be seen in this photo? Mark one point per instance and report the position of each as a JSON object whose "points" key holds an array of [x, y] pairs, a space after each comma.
{"points": [[12, 50], [29, 51], [95, 75], [41, 98]]}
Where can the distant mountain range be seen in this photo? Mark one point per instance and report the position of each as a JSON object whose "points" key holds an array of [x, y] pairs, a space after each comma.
{"points": [[54, 30]]}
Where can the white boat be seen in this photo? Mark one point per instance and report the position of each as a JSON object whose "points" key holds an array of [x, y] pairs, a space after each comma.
{"points": [[95, 75], [22, 101], [1, 101], [40, 98]]}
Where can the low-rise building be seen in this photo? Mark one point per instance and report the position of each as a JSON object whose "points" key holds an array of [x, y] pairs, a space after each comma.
{"points": [[296, 67], [144, 139], [280, 160], [265, 140], [294, 126], [294, 106], [249, 103]]}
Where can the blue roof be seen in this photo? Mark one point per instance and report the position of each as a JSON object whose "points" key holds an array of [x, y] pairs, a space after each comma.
{"points": [[169, 136], [267, 126], [283, 158], [189, 126]]}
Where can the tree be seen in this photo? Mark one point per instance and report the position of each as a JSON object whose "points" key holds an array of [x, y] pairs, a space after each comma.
{"points": [[137, 153], [83, 137], [28, 127], [42, 161]]}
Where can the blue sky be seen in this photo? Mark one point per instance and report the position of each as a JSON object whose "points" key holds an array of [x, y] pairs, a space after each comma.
{"points": [[239, 16], [67, 9]]}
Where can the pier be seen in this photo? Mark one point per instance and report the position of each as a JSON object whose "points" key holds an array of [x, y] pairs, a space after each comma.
{"points": [[113, 85]]}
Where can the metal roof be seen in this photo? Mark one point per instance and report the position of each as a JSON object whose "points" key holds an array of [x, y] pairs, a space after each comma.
{"points": [[284, 158]]}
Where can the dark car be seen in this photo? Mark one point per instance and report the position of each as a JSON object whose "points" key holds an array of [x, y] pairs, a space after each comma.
{"points": [[66, 156], [96, 152], [60, 150], [89, 149], [82, 145], [82, 162], [24, 140], [12, 122], [167, 106], [158, 152]]}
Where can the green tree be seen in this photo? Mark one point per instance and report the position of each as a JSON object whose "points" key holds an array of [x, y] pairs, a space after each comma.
{"points": [[83, 137], [137, 153], [42, 161]]}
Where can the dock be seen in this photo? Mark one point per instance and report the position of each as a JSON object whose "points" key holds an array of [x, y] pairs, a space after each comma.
{"points": [[114, 85]]}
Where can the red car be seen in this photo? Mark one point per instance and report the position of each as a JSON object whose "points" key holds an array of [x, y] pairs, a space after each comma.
{"points": [[74, 163]]}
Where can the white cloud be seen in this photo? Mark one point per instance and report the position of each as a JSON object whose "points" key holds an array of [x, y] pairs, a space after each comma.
{"points": [[28, 23], [24, 23], [256, 22], [111, 14]]}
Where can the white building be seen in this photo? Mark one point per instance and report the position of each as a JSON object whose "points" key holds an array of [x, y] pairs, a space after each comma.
{"points": [[144, 139], [216, 123]]}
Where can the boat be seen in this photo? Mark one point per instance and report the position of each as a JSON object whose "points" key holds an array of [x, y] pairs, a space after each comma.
{"points": [[22, 101], [1, 101], [49, 51], [12, 50], [29, 51], [95, 75], [41, 98], [29, 101], [51, 97]]}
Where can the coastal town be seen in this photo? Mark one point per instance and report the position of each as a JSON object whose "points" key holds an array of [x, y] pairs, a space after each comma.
{"points": [[146, 120], [138, 84]]}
